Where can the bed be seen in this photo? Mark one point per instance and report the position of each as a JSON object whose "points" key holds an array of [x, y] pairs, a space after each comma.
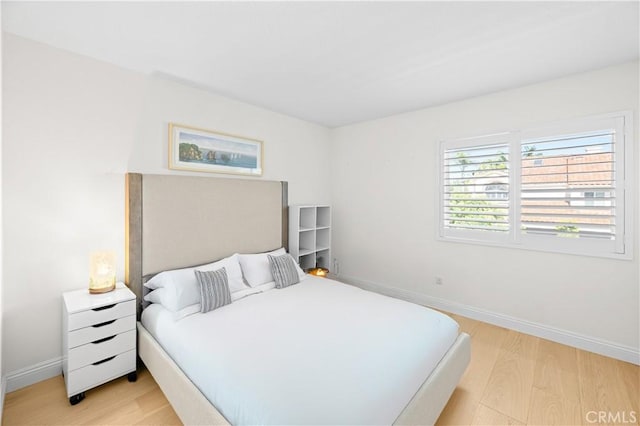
{"points": [[318, 352]]}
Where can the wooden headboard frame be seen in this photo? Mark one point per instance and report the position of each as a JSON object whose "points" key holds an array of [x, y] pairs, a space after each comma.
{"points": [[177, 221]]}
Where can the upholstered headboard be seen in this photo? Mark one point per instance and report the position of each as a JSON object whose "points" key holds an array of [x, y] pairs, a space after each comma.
{"points": [[178, 221]]}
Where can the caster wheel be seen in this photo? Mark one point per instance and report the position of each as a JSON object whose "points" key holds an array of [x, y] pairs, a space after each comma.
{"points": [[133, 376], [76, 398]]}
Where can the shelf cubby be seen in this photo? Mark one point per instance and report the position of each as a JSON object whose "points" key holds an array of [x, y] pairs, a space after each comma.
{"points": [[323, 217], [307, 218], [308, 261], [323, 238], [310, 235], [323, 258]]}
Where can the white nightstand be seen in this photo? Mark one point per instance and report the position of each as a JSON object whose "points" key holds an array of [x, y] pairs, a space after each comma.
{"points": [[98, 339]]}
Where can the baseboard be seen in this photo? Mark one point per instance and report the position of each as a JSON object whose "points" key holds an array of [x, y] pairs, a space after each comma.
{"points": [[33, 374], [569, 338]]}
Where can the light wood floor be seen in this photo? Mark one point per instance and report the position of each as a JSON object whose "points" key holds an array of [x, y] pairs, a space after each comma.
{"points": [[512, 379]]}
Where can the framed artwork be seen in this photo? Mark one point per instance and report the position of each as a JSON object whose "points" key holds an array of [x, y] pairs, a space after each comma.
{"points": [[201, 150]]}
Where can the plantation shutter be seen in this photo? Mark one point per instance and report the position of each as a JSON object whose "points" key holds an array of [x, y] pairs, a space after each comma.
{"points": [[560, 187], [568, 185], [476, 189]]}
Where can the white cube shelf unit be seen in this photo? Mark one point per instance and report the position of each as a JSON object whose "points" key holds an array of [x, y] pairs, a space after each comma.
{"points": [[310, 235]]}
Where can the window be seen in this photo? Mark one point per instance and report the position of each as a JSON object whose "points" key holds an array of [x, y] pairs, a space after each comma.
{"points": [[471, 176], [556, 188], [497, 191], [591, 198]]}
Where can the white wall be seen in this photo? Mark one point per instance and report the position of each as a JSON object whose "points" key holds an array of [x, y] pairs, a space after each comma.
{"points": [[2, 376], [72, 127], [384, 202]]}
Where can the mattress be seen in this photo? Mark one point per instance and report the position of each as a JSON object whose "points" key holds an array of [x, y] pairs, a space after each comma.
{"points": [[319, 352]]}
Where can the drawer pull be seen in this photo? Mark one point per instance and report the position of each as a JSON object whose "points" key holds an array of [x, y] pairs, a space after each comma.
{"points": [[102, 324], [95, 342], [104, 360], [102, 308]]}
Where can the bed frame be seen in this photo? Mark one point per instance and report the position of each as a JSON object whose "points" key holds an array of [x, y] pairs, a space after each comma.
{"points": [[177, 221]]}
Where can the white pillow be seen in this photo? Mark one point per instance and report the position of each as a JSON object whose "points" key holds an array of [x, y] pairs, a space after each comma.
{"points": [[180, 286], [244, 293], [253, 290], [266, 287], [234, 272], [185, 312], [174, 290], [256, 268], [155, 296]]}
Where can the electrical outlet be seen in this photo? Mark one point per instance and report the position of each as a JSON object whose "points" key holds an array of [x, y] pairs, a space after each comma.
{"points": [[336, 266], [438, 281]]}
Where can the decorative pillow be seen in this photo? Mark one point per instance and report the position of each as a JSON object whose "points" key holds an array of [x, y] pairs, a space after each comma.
{"points": [[234, 272], [214, 289], [284, 270], [257, 270], [180, 286]]}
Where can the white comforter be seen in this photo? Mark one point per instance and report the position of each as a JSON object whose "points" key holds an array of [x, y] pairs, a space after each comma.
{"points": [[319, 352]]}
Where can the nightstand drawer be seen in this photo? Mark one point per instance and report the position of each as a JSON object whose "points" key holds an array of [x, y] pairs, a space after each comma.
{"points": [[100, 331], [101, 314], [104, 370], [101, 349]]}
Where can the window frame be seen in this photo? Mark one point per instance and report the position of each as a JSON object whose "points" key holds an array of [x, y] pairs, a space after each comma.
{"points": [[620, 248]]}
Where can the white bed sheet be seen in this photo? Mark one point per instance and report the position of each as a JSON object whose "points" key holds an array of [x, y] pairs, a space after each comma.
{"points": [[319, 352]]}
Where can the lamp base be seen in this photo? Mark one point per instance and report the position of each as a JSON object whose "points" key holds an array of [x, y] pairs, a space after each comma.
{"points": [[318, 272], [98, 290]]}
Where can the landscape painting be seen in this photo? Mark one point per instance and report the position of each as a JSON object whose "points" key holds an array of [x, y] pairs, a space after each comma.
{"points": [[209, 151]]}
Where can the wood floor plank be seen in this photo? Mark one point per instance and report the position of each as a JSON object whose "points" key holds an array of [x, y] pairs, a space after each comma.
{"points": [[602, 388], [467, 325], [629, 374], [485, 347], [151, 402], [127, 413], [523, 345], [161, 417], [460, 409], [486, 416], [556, 370], [551, 409], [489, 334], [509, 388]]}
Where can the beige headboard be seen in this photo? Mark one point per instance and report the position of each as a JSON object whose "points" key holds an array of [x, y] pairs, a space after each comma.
{"points": [[178, 221]]}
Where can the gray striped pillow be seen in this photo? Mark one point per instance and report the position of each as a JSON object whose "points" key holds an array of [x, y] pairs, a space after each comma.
{"points": [[214, 289], [283, 269]]}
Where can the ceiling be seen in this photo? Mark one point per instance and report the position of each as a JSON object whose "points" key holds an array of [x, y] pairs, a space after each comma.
{"points": [[337, 63]]}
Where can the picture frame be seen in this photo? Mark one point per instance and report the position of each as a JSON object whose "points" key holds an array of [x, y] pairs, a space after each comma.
{"points": [[202, 150]]}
